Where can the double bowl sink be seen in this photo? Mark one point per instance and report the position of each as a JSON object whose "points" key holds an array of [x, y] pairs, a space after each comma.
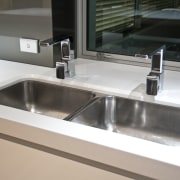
{"points": [[153, 122]]}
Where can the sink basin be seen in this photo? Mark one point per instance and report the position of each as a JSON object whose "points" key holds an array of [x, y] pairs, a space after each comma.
{"points": [[45, 98], [157, 123], [154, 122]]}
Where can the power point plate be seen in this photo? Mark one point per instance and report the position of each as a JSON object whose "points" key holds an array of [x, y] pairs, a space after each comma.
{"points": [[29, 45]]}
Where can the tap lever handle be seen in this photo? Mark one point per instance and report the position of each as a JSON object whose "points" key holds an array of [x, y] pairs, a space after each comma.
{"points": [[157, 63], [65, 49]]}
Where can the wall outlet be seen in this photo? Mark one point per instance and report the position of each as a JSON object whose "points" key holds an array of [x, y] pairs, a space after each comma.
{"points": [[29, 45]]}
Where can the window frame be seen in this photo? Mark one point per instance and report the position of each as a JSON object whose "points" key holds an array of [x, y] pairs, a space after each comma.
{"points": [[82, 51]]}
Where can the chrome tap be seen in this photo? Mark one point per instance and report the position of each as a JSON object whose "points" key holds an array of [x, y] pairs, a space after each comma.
{"points": [[155, 79], [66, 66]]}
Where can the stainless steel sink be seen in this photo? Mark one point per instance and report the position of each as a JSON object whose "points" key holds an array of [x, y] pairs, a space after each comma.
{"points": [[135, 118], [144, 120], [45, 98]]}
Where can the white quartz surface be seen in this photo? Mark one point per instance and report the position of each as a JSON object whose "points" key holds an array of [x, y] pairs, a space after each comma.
{"points": [[133, 154]]}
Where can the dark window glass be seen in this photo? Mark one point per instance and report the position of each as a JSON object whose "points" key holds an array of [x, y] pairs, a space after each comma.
{"points": [[129, 27]]}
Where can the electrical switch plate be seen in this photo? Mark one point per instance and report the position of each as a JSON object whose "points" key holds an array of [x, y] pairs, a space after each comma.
{"points": [[29, 45]]}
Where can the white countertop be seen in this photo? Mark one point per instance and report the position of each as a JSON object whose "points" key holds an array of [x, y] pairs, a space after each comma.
{"points": [[117, 150]]}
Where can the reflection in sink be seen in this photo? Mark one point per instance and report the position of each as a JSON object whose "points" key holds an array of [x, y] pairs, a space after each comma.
{"points": [[144, 120], [44, 98]]}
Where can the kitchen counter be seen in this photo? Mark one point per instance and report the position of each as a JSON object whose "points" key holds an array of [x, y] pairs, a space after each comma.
{"points": [[129, 155]]}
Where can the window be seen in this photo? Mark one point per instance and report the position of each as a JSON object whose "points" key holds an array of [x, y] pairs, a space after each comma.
{"points": [[120, 29]]}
